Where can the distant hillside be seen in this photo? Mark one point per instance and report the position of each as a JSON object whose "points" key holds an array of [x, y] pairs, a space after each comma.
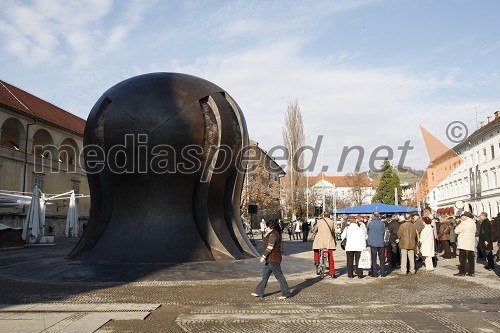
{"points": [[411, 176]]}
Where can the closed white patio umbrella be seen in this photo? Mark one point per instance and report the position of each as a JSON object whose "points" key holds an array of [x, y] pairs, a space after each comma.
{"points": [[34, 221], [72, 226]]}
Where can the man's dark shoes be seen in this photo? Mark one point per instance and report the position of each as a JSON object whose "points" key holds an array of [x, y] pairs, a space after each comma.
{"points": [[333, 276], [458, 274]]}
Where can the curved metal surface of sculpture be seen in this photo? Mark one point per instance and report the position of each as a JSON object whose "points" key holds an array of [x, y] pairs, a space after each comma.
{"points": [[162, 154]]}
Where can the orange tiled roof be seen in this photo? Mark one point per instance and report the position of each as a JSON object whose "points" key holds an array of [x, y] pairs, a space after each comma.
{"points": [[32, 106], [342, 181]]}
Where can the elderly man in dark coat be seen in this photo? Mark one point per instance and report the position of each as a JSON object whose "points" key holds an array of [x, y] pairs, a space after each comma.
{"points": [[486, 241], [495, 235]]}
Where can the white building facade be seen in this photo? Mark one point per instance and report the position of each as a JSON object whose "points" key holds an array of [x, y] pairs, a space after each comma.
{"points": [[476, 180], [333, 189]]}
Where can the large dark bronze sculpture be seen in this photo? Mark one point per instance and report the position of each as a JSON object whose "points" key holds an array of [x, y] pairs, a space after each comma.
{"points": [[163, 155]]}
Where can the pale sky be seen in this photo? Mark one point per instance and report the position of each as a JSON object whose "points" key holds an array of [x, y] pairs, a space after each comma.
{"points": [[365, 73]]}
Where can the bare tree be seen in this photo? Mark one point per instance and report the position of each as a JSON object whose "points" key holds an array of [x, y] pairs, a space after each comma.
{"points": [[261, 187], [293, 138], [357, 182]]}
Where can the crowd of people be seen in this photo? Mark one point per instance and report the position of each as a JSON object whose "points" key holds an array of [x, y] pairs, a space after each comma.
{"points": [[398, 241], [424, 238]]}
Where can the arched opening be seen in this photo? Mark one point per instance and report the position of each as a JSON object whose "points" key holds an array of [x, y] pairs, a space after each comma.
{"points": [[43, 144], [68, 151], [12, 134]]}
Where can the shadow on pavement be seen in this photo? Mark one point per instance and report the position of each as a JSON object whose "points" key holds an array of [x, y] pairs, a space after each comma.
{"points": [[297, 289]]}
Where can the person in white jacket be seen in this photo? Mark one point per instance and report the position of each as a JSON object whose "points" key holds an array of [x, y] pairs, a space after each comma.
{"points": [[427, 243], [262, 228], [466, 239], [298, 229], [355, 243]]}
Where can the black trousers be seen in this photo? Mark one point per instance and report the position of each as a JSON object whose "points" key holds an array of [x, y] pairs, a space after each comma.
{"points": [[395, 255], [381, 258], [305, 234], [351, 257], [489, 259], [466, 259]]}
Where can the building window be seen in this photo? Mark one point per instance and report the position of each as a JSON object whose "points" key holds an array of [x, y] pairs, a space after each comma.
{"points": [[492, 152], [486, 181], [75, 186], [38, 181], [495, 181], [484, 155]]}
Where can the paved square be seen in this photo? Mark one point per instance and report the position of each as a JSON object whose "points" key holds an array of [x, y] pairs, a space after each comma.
{"points": [[42, 292]]}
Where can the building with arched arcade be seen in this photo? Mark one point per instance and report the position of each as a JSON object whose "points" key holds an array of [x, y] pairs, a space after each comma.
{"points": [[40, 144]]}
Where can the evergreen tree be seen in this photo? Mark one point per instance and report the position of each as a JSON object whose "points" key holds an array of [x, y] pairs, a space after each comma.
{"points": [[388, 181]]}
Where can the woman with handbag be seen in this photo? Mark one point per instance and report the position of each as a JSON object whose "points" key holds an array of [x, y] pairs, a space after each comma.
{"points": [[354, 239]]}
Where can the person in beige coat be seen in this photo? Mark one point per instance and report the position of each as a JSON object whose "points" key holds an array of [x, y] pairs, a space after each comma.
{"points": [[466, 243], [324, 238]]}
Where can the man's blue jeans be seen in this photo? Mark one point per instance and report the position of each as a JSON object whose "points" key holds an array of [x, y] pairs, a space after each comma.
{"points": [[381, 258], [275, 268]]}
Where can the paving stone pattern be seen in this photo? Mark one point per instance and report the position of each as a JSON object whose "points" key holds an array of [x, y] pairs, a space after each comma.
{"points": [[43, 292]]}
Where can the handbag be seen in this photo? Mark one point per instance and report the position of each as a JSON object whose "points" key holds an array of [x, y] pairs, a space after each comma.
{"points": [[365, 259], [343, 243], [331, 232]]}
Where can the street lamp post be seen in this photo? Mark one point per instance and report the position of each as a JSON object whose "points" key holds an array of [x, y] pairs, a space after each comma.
{"points": [[307, 196], [334, 199]]}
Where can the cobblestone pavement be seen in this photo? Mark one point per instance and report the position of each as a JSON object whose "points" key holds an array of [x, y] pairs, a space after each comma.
{"points": [[37, 284]]}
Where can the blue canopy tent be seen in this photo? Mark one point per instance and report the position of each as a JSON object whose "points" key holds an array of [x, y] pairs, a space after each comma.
{"points": [[379, 207]]}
